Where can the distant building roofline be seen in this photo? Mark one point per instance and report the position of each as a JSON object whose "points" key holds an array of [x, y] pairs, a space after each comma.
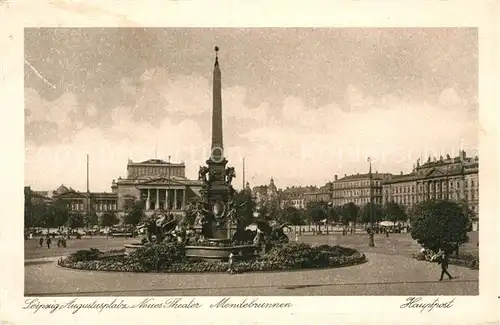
{"points": [[363, 176], [153, 162]]}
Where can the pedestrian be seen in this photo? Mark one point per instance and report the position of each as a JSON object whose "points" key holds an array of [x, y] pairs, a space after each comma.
{"points": [[443, 259], [49, 241], [41, 241], [296, 237], [231, 262], [387, 233]]}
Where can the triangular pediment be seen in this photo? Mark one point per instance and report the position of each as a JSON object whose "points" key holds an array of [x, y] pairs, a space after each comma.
{"points": [[435, 172], [162, 181]]}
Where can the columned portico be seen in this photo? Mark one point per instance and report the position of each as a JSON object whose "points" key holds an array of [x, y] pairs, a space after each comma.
{"points": [[160, 197]]}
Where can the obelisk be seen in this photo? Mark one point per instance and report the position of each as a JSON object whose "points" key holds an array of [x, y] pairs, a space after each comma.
{"points": [[217, 188], [217, 148]]}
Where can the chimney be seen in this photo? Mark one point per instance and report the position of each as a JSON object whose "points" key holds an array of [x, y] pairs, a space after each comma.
{"points": [[401, 173], [464, 155], [336, 177]]}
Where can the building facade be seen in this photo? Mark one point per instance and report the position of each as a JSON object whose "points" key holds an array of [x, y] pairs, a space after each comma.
{"points": [[161, 185], [82, 202], [266, 194], [449, 178], [356, 189], [295, 196], [323, 194]]}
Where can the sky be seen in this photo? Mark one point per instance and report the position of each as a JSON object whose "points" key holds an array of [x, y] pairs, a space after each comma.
{"points": [[300, 104]]}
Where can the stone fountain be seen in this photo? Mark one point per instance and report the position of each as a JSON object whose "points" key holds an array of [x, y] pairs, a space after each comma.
{"points": [[216, 214]]}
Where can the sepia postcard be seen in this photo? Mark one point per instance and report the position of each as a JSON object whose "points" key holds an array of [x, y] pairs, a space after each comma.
{"points": [[186, 159]]}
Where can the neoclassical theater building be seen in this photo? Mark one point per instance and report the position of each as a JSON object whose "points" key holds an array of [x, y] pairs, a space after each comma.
{"points": [[162, 185]]}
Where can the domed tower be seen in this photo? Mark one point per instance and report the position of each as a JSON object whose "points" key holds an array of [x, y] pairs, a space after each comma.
{"points": [[272, 191]]}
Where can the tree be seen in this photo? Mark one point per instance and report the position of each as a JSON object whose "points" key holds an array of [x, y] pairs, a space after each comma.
{"points": [[468, 212], [317, 212], [47, 217], [136, 214], [350, 213], [376, 212], [61, 213], [109, 219], [395, 212], [245, 206], [293, 216], [28, 209], [76, 220], [333, 214], [439, 224], [91, 219], [54, 215]]}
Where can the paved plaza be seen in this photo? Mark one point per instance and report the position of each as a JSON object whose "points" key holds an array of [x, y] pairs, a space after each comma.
{"points": [[390, 270]]}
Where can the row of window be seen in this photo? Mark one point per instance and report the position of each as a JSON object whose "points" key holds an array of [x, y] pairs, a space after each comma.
{"points": [[412, 199], [411, 189], [357, 201], [98, 206], [152, 171], [363, 183], [375, 191]]}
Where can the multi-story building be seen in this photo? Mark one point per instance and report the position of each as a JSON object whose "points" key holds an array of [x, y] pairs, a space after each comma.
{"points": [[295, 196], [82, 202], [444, 178], [36, 197], [265, 194], [356, 189], [161, 185], [323, 194]]}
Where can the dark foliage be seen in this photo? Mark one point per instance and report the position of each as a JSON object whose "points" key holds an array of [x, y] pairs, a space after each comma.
{"points": [[439, 224], [171, 258], [84, 255], [157, 256]]}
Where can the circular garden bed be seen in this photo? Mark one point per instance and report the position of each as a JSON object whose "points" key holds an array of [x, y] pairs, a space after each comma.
{"points": [[171, 258]]}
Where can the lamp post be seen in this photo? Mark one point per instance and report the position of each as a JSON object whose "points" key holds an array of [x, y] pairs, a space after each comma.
{"points": [[371, 231]]}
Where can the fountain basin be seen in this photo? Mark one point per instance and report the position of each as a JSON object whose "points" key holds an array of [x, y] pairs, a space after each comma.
{"points": [[130, 248], [216, 253]]}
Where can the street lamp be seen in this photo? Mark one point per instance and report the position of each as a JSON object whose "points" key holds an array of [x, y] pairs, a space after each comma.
{"points": [[371, 230]]}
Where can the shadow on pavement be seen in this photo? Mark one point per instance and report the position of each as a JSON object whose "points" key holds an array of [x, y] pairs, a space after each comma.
{"points": [[288, 287]]}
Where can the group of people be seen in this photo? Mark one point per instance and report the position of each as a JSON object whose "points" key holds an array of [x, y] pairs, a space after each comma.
{"points": [[61, 241]]}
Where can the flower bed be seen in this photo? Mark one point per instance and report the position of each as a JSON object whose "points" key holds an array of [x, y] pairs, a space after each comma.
{"points": [[466, 260], [171, 258]]}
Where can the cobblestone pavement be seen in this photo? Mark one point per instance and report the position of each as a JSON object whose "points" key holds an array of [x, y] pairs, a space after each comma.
{"points": [[389, 271]]}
